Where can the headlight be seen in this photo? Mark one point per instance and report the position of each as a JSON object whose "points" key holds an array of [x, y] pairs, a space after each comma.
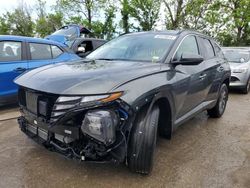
{"points": [[68, 102], [101, 125], [239, 70]]}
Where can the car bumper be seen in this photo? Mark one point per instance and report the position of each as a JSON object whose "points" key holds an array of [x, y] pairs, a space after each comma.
{"points": [[239, 80], [76, 145]]}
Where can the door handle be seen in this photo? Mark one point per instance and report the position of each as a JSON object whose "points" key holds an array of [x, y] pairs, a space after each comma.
{"points": [[201, 77], [20, 69]]}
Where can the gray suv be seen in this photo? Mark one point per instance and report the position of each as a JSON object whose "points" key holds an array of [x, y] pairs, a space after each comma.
{"points": [[110, 106]]}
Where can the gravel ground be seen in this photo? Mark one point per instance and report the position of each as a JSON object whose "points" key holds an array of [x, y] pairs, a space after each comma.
{"points": [[204, 152]]}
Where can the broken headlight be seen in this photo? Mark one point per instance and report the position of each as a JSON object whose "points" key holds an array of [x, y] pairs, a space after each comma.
{"points": [[101, 125]]}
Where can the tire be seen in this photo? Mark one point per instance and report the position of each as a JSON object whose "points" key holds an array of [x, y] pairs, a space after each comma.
{"points": [[143, 141], [246, 89], [219, 109]]}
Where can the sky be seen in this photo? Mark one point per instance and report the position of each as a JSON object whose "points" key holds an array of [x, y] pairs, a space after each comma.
{"points": [[9, 5]]}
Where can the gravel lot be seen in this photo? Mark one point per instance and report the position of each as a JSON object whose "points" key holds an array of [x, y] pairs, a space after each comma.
{"points": [[204, 152]]}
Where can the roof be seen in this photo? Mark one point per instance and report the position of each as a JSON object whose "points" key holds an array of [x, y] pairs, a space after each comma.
{"points": [[172, 32], [29, 39], [167, 32]]}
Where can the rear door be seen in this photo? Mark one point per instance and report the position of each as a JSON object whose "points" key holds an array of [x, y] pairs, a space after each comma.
{"points": [[40, 54], [12, 63], [212, 63], [196, 74]]}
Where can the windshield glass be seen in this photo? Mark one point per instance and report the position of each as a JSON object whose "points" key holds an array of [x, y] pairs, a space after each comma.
{"points": [[135, 47], [236, 55]]}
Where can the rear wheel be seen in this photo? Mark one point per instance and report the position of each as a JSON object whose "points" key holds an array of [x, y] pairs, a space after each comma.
{"points": [[221, 104], [247, 87], [143, 141]]}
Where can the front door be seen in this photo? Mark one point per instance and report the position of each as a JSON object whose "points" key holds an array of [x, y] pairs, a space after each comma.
{"points": [[196, 76], [12, 64]]}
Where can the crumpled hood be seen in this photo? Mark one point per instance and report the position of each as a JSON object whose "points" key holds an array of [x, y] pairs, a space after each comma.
{"points": [[85, 77]]}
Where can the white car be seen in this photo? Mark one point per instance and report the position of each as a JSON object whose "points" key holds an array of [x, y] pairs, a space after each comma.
{"points": [[239, 60]]}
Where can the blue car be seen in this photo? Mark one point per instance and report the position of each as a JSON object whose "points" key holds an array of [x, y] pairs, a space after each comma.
{"points": [[19, 54]]}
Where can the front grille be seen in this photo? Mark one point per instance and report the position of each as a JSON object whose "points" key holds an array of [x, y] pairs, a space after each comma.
{"points": [[31, 101], [38, 103]]}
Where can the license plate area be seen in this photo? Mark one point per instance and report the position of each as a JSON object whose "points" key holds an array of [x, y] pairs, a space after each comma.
{"points": [[31, 102]]}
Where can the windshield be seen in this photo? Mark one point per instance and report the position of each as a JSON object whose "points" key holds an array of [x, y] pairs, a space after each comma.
{"points": [[143, 47], [236, 55]]}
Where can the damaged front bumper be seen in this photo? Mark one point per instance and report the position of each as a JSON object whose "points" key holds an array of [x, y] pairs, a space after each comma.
{"points": [[98, 134]]}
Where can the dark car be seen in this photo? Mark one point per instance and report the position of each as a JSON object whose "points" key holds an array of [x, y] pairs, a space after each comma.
{"points": [[83, 46], [111, 105], [76, 38]]}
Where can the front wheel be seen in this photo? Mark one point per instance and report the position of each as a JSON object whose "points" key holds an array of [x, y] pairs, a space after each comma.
{"points": [[143, 141], [247, 87], [221, 104]]}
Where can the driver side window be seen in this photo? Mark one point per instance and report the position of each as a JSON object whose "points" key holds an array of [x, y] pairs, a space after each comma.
{"points": [[188, 45]]}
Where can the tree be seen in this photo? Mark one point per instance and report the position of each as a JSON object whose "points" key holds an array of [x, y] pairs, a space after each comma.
{"points": [[83, 8], [125, 15], [48, 24], [4, 26], [20, 22], [174, 13], [239, 16], [186, 13], [109, 26], [146, 12]]}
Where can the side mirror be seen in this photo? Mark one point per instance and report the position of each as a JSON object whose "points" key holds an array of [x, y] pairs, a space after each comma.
{"points": [[242, 60], [80, 49], [189, 59]]}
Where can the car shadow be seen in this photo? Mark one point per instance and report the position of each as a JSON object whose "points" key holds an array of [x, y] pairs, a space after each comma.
{"points": [[8, 106]]}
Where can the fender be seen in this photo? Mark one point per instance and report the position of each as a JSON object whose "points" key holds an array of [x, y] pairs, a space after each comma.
{"points": [[149, 100]]}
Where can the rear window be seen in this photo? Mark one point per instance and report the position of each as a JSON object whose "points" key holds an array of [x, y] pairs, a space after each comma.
{"points": [[56, 51], [44, 51], [40, 51], [209, 50], [218, 50], [10, 51]]}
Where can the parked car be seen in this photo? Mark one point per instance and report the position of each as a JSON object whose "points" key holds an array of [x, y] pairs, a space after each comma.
{"points": [[71, 35], [111, 105], [19, 54], [239, 60], [83, 46]]}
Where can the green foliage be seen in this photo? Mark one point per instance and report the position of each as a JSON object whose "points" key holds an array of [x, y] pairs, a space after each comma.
{"points": [[125, 15], [146, 12], [48, 24], [82, 8], [17, 22], [4, 26]]}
